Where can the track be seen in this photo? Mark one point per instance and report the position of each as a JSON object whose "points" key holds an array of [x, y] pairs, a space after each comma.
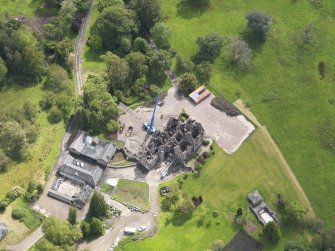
{"points": [[79, 49]]}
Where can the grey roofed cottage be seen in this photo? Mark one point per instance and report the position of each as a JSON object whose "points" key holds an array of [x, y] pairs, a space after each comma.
{"points": [[3, 229], [86, 174], [93, 148]]}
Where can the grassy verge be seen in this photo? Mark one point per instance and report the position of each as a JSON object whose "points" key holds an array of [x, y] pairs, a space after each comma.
{"points": [[224, 183], [283, 85], [134, 192]]}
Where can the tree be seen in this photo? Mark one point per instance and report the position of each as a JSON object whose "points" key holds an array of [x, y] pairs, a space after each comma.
{"points": [[45, 245], [3, 71], [217, 245], [199, 3], [67, 11], [209, 47], [96, 227], [140, 45], [29, 111], [4, 161], [187, 83], [95, 42], [137, 65], [148, 12], [98, 207], [294, 247], [159, 61], [258, 24], [295, 213], [241, 53], [183, 65], [315, 224], [72, 218], [185, 208], [13, 140], [112, 126], [161, 34], [239, 212], [60, 232], [57, 79], [85, 229], [203, 71], [114, 23], [98, 106], [272, 232], [102, 4], [55, 115], [117, 71]]}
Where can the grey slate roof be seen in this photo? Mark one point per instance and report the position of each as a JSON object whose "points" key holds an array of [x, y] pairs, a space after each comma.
{"points": [[255, 198], [3, 230], [93, 148], [85, 175]]}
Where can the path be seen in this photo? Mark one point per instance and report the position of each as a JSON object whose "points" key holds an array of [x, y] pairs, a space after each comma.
{"points": [[27, 242], [240, 105], [79, 49], [38, 234]]}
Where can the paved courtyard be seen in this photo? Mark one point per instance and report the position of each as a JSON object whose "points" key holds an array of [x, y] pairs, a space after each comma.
{"points": [[228, 132]]}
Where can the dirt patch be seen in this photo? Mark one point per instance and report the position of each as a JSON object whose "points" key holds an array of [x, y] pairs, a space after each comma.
{"points": [[36, 23], [243, 241]]}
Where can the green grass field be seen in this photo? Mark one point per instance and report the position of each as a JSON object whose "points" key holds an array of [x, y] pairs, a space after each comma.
{"points": [[224, 183], [283, 85], [133, 192]]}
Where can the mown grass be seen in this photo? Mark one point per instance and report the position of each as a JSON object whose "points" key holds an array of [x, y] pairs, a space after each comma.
{"points": [[27, 8], [224, 183], [133, 192], [283, 84]]}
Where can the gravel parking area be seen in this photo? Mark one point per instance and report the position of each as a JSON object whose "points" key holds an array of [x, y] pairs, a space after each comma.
{"points": [[228, 132]]}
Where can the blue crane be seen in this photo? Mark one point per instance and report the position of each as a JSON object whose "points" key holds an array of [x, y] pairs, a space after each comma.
{"points": [[149, 127]]}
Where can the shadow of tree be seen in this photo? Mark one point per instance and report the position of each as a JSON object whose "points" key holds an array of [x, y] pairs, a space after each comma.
{"points": [[185, 10]]}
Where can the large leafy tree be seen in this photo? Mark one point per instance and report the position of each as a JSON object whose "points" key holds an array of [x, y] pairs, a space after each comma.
{"points": [[98, 106], [57, 79], [96, 228], [203, 72], [137, 65], [115, 23], [258, 24], [187, 83], [159, 61], [3, 71], [148, 12], [241, 53], [117, 71], [98, 207], [295, 213], [161, 34], [141, 45], [209, 47], [272, 232], [13, 139], [60, 232]]}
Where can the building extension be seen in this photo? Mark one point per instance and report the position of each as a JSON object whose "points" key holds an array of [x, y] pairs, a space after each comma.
{"points": [[177, 143], [261, 210]]}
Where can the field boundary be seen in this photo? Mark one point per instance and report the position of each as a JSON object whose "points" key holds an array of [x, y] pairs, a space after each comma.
{"points": [[245, 110]]}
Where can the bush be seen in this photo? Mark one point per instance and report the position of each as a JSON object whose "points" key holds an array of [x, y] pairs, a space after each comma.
{"points": [[96, 227], [222, 104], [205, 155], [3, 205], [272, 232], [215, 213], [55, 115], [239, 212], [200, 159], [205, 142], [18, 214]]}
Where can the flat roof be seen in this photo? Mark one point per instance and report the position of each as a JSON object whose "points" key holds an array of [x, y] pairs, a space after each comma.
{"points": [[266, 217], [68, 188]]}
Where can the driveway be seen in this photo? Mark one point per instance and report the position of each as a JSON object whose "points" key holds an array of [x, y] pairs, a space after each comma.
{"points": [[228, 132]]}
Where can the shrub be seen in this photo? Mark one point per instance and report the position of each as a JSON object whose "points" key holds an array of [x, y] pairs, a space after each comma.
{"points": [[272, 232], [239, 212], [222, 104], [18, 214], [258, 24], [55, 115], [200, 159], [3, 205], [96, 227], [205, 142], [215, 213], [205, 155]]}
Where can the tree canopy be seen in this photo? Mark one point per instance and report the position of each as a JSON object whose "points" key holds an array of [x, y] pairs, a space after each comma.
{"points": [[187, 83], [295, 213], [209, 47], [117, 71], [98, 207], [161, 34], [3, 71], [148, 12], [159, 61], [258, 24], [272, 232], [241, 53]]}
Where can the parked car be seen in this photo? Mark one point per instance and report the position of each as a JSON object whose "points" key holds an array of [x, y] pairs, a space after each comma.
{"points": [[163, 174], [141, 229]]}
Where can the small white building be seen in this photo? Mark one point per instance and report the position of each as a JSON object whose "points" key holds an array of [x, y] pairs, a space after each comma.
{"points": [[129, 230]]}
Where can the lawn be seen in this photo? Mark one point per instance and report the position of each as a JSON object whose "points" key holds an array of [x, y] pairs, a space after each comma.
{"points": [[283, 84], [28, 8], [224, 183], [135, 193], [106, 188]]}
